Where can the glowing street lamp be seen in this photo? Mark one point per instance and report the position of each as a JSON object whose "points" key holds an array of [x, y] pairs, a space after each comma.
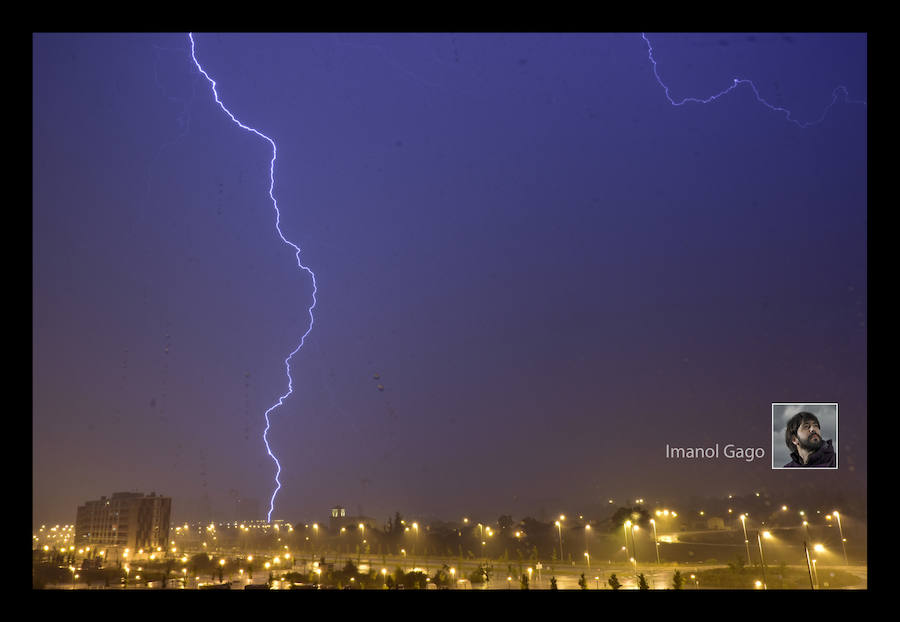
{"points": [[808, 566], [634, 527], [587, 542], [588, 556], [655, 540], [843, 540], [559, 527], [762, 559], [743, 518], [625, 527]]}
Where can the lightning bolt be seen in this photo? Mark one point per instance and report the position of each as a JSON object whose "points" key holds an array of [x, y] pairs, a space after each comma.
{"points": [[737, 82], [287, 361]]}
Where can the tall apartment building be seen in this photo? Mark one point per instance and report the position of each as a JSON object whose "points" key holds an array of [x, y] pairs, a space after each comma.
{"points": [[125, 520]]}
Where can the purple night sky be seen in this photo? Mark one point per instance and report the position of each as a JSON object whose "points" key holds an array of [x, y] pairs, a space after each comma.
{"points": [[553, 270]]}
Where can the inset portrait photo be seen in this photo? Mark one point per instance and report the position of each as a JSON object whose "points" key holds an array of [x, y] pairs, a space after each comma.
{"points": [[804, 435]]}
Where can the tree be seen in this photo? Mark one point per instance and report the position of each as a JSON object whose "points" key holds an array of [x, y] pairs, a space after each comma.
{"points": [[613, 582], [442, 577], [524, 581], [642, 582], [737, 566], [582, 582], [677, 580], [553, 583], [505, 522], [480, 574]]}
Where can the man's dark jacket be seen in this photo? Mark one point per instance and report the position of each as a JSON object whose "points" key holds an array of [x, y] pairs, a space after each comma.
{"points": [[824, 456]]}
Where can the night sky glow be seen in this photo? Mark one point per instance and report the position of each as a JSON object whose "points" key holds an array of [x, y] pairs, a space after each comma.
{"points": [[535, 267], [287, 361]]}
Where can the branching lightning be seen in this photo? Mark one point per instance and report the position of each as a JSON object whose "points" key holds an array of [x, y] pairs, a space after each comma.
{"points": [[287, 361], [836, 94], [737, 82]]}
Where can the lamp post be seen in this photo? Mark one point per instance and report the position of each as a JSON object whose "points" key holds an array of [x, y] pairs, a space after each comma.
{"points": [[315, 538], [483, 543], [559, 528], [843, 541], [587, 542], [743, 518], [818, 548], [655, 540], [588, 556], [625, 527], [808, 566], [634, 544], [762, 559]]}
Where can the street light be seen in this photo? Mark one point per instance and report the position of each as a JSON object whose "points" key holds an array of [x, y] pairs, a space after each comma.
{"points": [[587, 542], [808, 566], [634, 543], [588, 555], [762, 559], [625, 527], [655, 540], [743, 518], [559, 528], [481, 539], [843, 541]]}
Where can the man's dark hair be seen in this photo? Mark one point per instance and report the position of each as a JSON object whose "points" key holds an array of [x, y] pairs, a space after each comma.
{"points": [[794, 424]]}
